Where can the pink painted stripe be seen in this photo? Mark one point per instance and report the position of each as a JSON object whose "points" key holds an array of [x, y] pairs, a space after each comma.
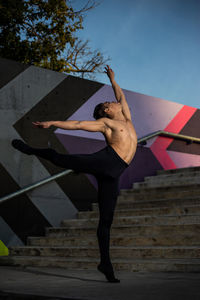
{"points": [[181, 118], [159, 150], [162, 143]]}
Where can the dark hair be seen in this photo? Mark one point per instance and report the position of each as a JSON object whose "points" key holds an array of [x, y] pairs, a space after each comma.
{"points": [[99, 111]]}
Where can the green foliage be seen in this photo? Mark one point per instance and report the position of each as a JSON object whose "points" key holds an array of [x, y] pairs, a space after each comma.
{"points": [[43, 33]]}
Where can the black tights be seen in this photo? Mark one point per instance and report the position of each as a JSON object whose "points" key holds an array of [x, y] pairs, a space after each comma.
{"points": [[107, 167]]}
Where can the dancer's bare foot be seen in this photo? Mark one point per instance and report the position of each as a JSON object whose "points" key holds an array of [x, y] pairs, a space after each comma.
{"points": [[21, 146], [108, 273]]}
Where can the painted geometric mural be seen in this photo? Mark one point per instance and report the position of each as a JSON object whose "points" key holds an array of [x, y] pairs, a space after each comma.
{"points": [[29, 93]]}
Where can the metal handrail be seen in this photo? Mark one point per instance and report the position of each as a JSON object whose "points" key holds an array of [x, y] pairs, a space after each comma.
{"points": [[189, 139], [34, 185], [141, 141]]}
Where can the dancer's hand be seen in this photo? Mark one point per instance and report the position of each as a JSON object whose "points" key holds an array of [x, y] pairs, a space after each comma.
{"points": [[109, 72], [42, 124]]}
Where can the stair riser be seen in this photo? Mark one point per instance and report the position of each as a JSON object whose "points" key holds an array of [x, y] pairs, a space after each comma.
{"points": [[172, 177], [144, 212], [180, 170], [162, 220], [160, 193], [114, 252], [167, 183], [133, 267], [151, 204], [180, 230], [170, 240]]}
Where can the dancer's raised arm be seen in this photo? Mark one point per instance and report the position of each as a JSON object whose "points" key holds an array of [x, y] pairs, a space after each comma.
{"points": [[119, 94]]}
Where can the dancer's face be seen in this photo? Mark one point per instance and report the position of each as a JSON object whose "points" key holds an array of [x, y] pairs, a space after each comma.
{"points": [[112, 107]]}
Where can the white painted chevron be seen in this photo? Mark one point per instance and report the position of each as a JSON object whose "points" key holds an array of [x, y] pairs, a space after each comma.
{"points": [[16, 99]]}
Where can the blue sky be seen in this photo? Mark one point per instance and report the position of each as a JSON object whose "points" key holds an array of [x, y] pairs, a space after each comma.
{"points": [[154, 45]]}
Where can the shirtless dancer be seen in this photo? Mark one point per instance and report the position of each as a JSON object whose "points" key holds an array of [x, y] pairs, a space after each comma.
{"points": [[113, 120]]}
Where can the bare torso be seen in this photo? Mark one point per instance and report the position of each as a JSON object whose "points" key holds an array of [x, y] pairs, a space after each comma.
{"points": [[121, 136]]}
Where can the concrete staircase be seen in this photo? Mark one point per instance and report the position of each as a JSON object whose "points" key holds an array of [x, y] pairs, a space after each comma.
{"points": [[156, 228]]}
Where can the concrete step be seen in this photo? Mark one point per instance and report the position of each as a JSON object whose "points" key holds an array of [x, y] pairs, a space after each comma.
{"points": [[136, 220], [168, 183], [157, 195], [180, 170], [172, 177], [131, 204], [142, 230], [155, 211], [169, 239], [115, 252], [160, 193], [133, 265]]}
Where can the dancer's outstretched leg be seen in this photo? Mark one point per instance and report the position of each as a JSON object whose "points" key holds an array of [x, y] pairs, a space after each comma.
{"points": [[104, 162], [107, 196], [79, 162]]}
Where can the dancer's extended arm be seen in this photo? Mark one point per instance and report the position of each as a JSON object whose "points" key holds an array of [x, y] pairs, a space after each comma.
{"points": [[98, 125], [119, 94]]}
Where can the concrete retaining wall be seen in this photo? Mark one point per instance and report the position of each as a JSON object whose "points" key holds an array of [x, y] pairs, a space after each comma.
{"points": [[29, 93]]}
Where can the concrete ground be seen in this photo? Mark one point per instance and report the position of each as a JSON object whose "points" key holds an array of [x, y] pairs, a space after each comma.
{"points": [[54, 283]]}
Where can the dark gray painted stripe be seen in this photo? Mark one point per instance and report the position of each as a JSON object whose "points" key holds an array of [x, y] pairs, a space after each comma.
{"points": [[7, 236], [60, 104], [9, 70], [20, 213]]}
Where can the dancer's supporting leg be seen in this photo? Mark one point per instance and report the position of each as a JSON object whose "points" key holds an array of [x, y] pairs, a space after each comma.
{"points": [[107, 197]]}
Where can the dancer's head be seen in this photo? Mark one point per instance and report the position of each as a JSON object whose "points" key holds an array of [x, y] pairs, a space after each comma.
{"points": [[106, 110], [99, 111]]}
